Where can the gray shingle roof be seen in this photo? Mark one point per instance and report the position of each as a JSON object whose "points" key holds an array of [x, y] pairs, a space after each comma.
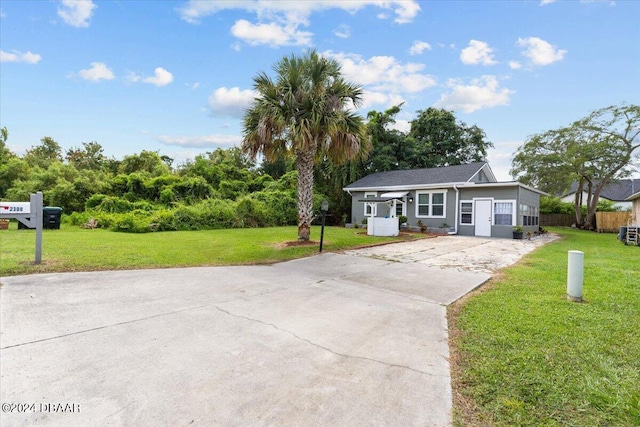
{"points": [[412, 177], [616, 191]]}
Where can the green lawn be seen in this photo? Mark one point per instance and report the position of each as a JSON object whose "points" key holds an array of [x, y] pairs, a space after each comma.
{"points": [[76, 249], [522, 355]]}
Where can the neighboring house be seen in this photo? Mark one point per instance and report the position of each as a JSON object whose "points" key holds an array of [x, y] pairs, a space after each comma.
{"points": [[634, 199], [467, 198], [616, 192]]}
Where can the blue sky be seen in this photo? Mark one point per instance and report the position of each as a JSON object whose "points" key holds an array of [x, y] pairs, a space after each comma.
{"points": [[175, 76]]}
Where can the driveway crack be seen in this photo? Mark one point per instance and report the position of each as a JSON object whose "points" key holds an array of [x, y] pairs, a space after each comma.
{"points": [[298, 337], [97, 328]]}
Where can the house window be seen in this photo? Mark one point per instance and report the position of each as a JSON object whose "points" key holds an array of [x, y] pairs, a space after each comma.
{"points": [[368, 209], [431, 205], [437, 204], [503, 213], [466, 213], [530, 215], [401, 207]]}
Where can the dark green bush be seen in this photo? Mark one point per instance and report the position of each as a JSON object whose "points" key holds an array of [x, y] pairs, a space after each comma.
{"points": [[251, 213], [281, 206]]}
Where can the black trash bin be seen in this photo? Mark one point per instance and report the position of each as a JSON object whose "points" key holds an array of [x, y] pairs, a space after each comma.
{"points": [[51, 216]]}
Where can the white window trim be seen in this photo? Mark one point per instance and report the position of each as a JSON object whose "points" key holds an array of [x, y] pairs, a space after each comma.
{"points": [[514, 212], [374, 208], [473, 217], [444, 203]]}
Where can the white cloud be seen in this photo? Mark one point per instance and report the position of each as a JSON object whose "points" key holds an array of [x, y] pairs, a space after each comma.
{"points": [[540, 52], [76, 12], [418, 47], [546, 2], [383, 73], [484, 92], [15, 56], [401, 125], [231, 102], [278, 22], [160, 78], [515, 65], [385, 80], [406, 11], [98, 71], [371, 98], [272, 34], [477, 52], [296, 11], [343, 31], [205, 141]]}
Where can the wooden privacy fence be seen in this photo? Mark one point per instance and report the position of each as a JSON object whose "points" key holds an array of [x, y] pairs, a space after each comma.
{"points": [[557, 220], [610, 222], [606, 222]]}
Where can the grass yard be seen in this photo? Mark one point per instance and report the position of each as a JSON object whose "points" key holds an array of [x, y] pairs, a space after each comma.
{"points": [[76, 249], [522, 355]]}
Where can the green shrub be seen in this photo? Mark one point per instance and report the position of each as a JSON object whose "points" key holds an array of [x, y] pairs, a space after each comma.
{"points": [[217, 213], [251, 213], [133, 222], [94, 201], [167, 197], [163, 220], [76, 218], [281, 206]]}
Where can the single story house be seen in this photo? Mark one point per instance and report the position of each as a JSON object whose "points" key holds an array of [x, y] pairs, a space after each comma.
{"points": [[616, 192], [635, 208], [465, 199]]}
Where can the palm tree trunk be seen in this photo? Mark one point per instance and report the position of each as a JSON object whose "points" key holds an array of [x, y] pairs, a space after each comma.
{"points": [[304, 165]]}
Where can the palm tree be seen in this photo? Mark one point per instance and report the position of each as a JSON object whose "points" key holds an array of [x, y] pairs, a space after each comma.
{"points": [[305, 112]]}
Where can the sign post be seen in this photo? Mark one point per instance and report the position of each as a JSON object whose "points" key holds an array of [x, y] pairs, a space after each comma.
{"points": [[28, 213]]}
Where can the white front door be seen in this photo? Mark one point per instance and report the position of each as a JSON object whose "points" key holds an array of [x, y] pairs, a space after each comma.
{"points": [[483, 217]]}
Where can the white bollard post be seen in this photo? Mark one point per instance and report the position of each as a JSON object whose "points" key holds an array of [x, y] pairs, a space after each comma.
{"points": [[575, 276]]}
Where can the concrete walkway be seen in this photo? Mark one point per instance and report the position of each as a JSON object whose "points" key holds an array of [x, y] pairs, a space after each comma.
{"points": [[334, 339]]}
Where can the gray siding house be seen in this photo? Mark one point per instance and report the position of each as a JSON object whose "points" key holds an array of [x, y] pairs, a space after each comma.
{"points": [[466, 199]]}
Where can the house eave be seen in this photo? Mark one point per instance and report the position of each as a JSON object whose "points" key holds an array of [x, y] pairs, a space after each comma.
{"points": [[459, 185], [508, 184], [404, 187], [633, 197]]}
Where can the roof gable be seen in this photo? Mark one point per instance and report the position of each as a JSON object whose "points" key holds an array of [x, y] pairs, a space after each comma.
{"points": [[431, 176]]}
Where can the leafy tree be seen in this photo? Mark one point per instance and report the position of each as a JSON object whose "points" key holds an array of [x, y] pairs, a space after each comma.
{"points": [[5, 153], [440, 140], [12, 168], [227, 171], [90, 156], [43, 155], [592, 151], [305, 113], [277, 167], [391, 149], [147, 161]]}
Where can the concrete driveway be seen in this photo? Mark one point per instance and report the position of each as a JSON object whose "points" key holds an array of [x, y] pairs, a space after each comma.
{"points": [[334, 339]]}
